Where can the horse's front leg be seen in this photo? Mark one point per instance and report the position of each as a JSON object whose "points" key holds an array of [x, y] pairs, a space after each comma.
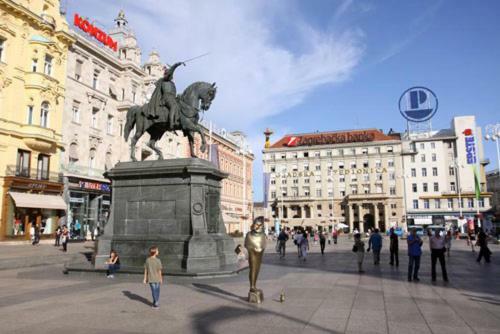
{"points": [[191, 143], [203, 146], [152, 145], [133, 142]]}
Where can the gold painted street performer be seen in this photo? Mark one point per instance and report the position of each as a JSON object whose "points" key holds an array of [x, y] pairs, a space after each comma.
{"points": [[255, 243]]}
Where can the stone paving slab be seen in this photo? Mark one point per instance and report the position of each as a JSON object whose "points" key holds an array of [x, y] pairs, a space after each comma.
{"points": [[323, 295]]}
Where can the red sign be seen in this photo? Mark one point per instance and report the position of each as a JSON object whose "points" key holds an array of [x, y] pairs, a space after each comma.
{"points": [[95, 32], [335, 138]]}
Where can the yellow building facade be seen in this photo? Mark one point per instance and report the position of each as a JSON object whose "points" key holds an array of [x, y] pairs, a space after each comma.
{"points": [[34, 41]]}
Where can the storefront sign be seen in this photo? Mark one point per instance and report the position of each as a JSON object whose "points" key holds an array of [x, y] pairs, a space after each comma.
{"points": [[95, 32], [470, 147], [334, 171], [94, 186], [104, 202], [334, 138], [39, 186], [76, 200]]}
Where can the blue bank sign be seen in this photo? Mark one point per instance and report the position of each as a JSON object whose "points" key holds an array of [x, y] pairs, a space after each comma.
{"points": [[418, 104]]}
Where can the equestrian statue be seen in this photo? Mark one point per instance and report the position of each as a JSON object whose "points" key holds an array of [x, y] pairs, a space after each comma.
{"points": [[167, 111]]}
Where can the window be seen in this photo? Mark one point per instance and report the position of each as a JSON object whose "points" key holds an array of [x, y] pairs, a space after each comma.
{"points": [[392, 190], [434, 171], [424, 171], [451, 171], [318, 167], [414, 187], [426, 203], [42, 167], [450, 144], [422, 146], [433, 145], [29, 115], [434, 157], [377, 149], [366, 188], [342, 193], [295, 181], [134, 93], [76, 112], [342, 179], [328, 153], [23, 163], [283, 181], [412, 159], [318, 179], [470, 202], [93, 120], [92, 158], [394, 205], [330, 192], [307, 191], [317, 154], [364, 150], [425, 187], [109, 125], [44, 115], [341, 165], [390, 149], [481, 202], [452, 186], [283, 156], [378, 163], [273, 194], [95, 79], [413, 172], [392, 176], [390, 163], [354, 178], [306, 167], [436, 186], [306, 154], [450, 203], [353, 164], [295, 191], [422, 158], [273, 181], [78, 69], [2, 49], [366, 177], [273, 169], [354, 189], [437, 204], [34, 65], [306, 180], [378, 177], [47, 68], [365, 164], [318, 192]]}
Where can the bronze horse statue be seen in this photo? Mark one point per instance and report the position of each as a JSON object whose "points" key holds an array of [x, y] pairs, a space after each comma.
{"points": [[198, 95]]}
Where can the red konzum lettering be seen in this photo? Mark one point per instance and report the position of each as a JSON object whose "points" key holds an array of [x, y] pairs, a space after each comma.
{"points": [[95, 32]]}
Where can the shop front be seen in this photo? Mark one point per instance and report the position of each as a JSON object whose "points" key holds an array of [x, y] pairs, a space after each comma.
{"points": [[29, 201], [88, 207]]}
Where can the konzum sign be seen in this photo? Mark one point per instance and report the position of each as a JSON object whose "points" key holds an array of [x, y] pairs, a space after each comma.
{"points": [[335, 138], [95, 32]]}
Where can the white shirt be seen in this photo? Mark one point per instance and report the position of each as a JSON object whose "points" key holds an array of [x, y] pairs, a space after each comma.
{"points": [[436, 243]]}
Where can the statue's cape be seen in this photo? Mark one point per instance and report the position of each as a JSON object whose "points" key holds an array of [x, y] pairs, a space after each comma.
{"points": [[154, 102]]}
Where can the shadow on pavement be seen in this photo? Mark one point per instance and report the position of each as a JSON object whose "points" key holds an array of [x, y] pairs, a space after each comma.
{"points": [[205, 322], [135, 297]]}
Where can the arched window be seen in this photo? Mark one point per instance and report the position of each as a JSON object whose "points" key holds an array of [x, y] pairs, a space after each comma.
{"points": [[73, 153], [108, 164], [44, 115]]}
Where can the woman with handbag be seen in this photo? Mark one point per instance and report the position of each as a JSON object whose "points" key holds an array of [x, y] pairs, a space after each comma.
{"points": [[359, 249]]}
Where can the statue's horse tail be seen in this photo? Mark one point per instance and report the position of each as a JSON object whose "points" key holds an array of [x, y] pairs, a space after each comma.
{"points": [[129, 124]]}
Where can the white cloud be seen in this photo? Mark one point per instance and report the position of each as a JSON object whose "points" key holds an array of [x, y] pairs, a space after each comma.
{"points": [[257, 74]]}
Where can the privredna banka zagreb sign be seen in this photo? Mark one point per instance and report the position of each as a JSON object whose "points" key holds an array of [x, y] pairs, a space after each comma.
{"points": [[95, 32], [334, 138]]}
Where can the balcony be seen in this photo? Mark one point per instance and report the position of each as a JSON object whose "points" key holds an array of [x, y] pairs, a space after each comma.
{"points": [[83, 170], [32, 174]]}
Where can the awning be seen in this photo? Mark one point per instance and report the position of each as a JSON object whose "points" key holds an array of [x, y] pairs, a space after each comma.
{"points": [[229, 219], [25, 200]]}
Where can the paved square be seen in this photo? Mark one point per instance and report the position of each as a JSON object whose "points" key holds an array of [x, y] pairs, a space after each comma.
{"points": [[325, 294]]}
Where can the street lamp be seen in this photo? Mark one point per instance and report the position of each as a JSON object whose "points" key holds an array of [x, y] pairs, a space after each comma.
{"points": [[493, 133]]}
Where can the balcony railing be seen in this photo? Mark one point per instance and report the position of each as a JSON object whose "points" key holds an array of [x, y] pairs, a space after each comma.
{"points": [[83, 170], [33, 174]]}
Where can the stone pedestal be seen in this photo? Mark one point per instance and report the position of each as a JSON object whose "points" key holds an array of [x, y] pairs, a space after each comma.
{"points": [[173, 204]]}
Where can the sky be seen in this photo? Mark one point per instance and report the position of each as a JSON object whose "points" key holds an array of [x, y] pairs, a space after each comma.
{"points": [[304, 66]]}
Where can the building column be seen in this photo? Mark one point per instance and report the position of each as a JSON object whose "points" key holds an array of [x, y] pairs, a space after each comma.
{"points": [[360, 218], [375, 214], [350, 210], [386, 216]]}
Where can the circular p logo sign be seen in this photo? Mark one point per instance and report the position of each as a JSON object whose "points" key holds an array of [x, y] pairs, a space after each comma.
{"points": [[418, 104]]}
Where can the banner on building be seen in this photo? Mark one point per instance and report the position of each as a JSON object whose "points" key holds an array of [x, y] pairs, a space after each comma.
{"points": [[472, 159], [266, 180]]}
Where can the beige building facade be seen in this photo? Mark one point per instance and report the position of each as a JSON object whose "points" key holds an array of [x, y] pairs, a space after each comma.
{"points": [[34, 41], [325, 180]]}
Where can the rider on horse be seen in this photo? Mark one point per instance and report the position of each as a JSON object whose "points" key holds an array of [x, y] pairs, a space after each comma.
{"points": [[163, 98]]}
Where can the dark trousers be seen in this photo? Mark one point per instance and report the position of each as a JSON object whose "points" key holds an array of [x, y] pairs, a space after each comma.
{"points": [[58, 240], [484, 252], [335, 240], [112, 268], [376, 256], [438, 254], [413, 266], [322, 245], [394, 256], [65, 245], [282, 247]]}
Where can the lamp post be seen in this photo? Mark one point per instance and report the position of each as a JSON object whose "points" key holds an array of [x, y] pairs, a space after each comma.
{"points": [[493, 134]]}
